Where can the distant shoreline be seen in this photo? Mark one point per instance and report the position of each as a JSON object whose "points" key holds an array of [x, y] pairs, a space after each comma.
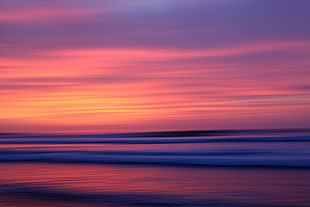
{"points": [[185, 133]]}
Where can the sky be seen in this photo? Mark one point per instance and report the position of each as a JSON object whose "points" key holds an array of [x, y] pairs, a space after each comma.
{"points": [[153, 65]]}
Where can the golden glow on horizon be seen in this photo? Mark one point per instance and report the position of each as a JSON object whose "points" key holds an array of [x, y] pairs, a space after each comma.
{"points": [[105, 66], [86, 87]]}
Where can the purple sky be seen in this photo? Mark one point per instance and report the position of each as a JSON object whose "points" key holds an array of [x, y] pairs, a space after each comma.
{"points": [[103, 65]]}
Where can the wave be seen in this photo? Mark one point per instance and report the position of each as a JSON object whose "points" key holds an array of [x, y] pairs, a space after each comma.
{"points": [[272, 152], [101, 140], [203, 158]]}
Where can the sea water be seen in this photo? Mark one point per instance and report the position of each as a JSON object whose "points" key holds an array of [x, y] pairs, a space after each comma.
{"points": [[98, 170]]}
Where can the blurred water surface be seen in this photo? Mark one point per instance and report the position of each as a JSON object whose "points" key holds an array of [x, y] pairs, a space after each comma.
{"points": [[155, 171]]}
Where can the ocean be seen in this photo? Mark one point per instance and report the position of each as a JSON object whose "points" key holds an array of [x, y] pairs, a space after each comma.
{"points": [[151, 169]]}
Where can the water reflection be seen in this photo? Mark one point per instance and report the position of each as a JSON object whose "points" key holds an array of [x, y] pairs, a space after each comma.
{"points": [[265, 187]]}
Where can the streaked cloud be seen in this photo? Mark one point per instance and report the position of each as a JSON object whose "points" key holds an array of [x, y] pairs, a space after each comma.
{"points": [[155, 65]]}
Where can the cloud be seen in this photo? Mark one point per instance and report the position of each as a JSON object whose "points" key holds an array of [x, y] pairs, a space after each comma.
{"points": [[189, 25], [189, 62]]}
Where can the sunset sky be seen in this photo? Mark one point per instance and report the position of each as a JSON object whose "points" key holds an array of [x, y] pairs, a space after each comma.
{"points": [[151, 65]]}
